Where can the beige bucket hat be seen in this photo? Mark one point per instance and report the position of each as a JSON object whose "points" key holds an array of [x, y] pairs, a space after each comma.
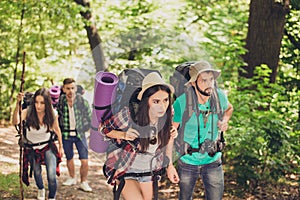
{"points": [[199, 67], [150, 80]]}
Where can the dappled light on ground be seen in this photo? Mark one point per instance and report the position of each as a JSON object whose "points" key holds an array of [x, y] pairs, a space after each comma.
{"points": [[9, 163]]}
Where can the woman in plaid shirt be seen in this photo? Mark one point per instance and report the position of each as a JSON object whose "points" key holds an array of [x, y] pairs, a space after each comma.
{"points": [[144, 138]]}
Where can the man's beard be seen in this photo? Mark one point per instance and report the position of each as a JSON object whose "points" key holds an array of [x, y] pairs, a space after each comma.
{"points": [[207, 92]]}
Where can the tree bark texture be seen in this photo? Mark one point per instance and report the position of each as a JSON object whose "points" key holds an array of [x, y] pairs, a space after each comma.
{"points": [[265, 32], [93, 36]]}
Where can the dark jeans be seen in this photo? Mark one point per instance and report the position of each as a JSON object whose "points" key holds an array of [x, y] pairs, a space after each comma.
{"points": [[212, 176]]}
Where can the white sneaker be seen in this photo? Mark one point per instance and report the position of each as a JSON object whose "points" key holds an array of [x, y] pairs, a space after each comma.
{"points": [[70, 181], [41, 194], [85, 187]]}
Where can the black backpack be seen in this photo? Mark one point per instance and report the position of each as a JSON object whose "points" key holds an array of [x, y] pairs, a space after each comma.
{"points": [[180, 77], [129, 86]]}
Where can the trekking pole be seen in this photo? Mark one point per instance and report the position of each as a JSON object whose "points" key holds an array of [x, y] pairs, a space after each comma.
{"points": [[20, 130]]}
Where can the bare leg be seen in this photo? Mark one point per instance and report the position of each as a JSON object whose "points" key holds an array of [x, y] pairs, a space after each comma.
{"points": [[84, 168], [71, 167], [147, 190], [132, 190]]}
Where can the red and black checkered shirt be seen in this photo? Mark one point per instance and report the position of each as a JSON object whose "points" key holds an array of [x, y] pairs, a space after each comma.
{"points": [[38, 155], [123, 157]]}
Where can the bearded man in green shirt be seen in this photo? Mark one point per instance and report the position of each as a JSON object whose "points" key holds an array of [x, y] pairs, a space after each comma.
{"points": [[201, 134]]}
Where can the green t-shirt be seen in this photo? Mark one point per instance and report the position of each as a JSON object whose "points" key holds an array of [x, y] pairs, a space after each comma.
{"points": [[206, 129]]}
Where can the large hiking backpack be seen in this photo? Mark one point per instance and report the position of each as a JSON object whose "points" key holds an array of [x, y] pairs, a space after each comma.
{"points": [[179, 78], [27, 100], [129, 86]]}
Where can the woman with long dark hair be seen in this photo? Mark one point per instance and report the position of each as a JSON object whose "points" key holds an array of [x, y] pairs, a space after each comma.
{"points": [[143, 137], [40, 124]]}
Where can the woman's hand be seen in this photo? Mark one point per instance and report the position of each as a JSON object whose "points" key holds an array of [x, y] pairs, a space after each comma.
{"points": [[174, 132], [15, 118], [172, 174], [131, 134], [20, 97]]}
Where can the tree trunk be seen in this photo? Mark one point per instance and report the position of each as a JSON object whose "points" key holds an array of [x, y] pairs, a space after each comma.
{"points": [[94, 37], [265, 32]]}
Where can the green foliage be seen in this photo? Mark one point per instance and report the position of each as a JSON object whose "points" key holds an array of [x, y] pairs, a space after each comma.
{"points": [[261, 145], [295, 4], [10, 184], [220, 31], [42, 29], [263, 142], [288, 74]]}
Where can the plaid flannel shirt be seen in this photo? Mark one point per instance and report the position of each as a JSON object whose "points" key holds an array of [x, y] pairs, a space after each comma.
{"points": [[38, 155], [121, 156], [82, 116]]}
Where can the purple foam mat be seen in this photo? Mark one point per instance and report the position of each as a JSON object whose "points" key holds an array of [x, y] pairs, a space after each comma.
{"points": [[97, 142], [54, 91], [104, 94]]}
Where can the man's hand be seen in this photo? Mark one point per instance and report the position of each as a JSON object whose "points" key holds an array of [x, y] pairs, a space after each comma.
{"points": [[223, 125]]}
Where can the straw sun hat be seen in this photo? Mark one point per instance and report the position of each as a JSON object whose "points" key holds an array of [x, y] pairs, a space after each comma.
{"points": [[150, 80], [199, 67]]}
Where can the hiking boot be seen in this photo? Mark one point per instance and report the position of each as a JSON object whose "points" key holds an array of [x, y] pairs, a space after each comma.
{"points": [[85, 187], [70, 181], [41, 194]]}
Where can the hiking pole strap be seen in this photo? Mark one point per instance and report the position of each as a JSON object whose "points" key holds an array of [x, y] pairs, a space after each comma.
{"points": [[117, 191], [155, 187]]}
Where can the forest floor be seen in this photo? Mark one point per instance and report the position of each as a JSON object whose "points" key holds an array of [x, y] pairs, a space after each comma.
{"points": [[9, 163]]}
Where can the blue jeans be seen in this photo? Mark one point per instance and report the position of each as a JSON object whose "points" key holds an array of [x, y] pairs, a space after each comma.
{"points": [[212, 176], [50, 161]]}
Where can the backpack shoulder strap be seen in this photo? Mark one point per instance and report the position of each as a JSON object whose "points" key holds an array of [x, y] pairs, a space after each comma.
{"points": [[216, 104], [24, 126], [60, 105], [190, 108], [80, 100]]}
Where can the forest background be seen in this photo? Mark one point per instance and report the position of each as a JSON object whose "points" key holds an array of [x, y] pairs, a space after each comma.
{"points": [[255, 44]]}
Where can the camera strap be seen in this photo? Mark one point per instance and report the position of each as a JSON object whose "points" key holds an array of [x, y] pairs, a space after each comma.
{"points": [[215, 108], [192, 107]]}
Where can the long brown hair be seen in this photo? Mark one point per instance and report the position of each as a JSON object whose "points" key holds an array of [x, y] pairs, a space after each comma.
{"points": [[32, 117], [164, 123]]}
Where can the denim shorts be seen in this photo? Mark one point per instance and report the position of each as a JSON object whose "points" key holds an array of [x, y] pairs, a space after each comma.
{"points": [[81, 146], [140, 179]]}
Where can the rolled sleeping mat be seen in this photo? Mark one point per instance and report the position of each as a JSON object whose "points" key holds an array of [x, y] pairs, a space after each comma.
{"points": [[105, 89], [54, 93]]}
